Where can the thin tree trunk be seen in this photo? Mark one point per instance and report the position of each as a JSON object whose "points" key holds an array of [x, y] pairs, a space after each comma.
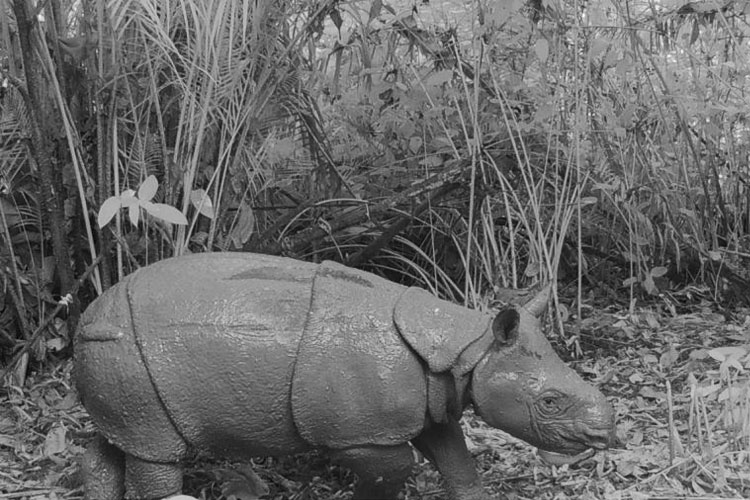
{"points": [[50, 200]]}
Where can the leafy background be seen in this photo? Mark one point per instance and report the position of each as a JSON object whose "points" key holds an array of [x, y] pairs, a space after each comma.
{"points": [[466, 147]]}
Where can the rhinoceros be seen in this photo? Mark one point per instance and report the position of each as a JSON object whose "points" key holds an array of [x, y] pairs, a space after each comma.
{"points": [[241, 355]]}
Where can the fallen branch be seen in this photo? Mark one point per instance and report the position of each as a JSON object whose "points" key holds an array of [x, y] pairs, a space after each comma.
{"points": [[31, 493], [355, 215], [402, 223]]}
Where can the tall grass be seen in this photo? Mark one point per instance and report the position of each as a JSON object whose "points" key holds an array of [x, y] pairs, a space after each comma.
{"points": [[586, 147], [211, 74]]}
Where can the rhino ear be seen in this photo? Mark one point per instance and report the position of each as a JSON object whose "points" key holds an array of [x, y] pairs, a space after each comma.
{"points": [[538, 304], [439, 331], [505, 326]]}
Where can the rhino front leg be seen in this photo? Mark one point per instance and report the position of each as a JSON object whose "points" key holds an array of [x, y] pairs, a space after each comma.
{"points": [[444, 446], [103, 471], [151, 480], [381, 470]]}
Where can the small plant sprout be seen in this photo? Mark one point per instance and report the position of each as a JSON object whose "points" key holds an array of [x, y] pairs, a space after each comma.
{"points": [[134, 202]]}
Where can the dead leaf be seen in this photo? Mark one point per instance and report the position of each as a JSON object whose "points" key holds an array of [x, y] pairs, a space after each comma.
{"points": [[243, 229], [650, 393], [55, 441], [68, 402], [651, 320], [669, 357], [8, 441], [636, 378]]}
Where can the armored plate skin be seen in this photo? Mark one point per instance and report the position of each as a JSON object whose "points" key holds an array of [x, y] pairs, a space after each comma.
{"points": [[242, 355], [372, 378], [114, 384], [215, 339]]}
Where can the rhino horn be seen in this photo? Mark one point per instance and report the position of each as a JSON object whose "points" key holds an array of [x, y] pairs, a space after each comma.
{"points": [[538, 304]]}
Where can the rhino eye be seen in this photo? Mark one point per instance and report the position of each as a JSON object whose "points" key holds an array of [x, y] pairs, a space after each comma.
{"points": [[550, 403]]}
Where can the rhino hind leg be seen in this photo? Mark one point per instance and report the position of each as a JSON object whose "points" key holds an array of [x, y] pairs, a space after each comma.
{"points": [[381, 470], [151, 480], [103, 470]]}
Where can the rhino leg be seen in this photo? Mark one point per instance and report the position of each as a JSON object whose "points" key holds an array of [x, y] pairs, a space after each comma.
{"points": [[381, 470], [103, 470], [151, 480], [444, 446]]}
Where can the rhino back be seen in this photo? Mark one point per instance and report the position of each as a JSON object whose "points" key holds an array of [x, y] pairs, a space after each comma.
{"points": [[219, 336]]}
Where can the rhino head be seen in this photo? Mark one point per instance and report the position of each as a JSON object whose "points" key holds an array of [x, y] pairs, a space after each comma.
{"points": [[522, 387]]}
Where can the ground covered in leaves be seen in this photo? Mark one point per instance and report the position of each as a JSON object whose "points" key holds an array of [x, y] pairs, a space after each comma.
{"points": [[679, 384]]}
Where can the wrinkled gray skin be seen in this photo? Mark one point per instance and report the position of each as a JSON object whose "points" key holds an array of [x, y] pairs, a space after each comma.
{"points": [[242, 355]]}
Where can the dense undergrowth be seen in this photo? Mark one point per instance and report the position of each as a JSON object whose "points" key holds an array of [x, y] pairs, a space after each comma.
{"points": [[679, 386], [462, 149], [466, 148]]}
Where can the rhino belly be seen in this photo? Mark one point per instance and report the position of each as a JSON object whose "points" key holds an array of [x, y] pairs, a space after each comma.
{"points": [[219, 335]]}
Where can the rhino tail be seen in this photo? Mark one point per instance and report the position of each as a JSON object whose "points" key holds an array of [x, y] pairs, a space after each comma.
{"points": [[107, 319]]}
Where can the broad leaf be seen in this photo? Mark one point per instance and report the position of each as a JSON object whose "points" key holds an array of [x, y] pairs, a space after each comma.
{"points": [[165, 212], [108, 210], [541, 49], [415, 144], [202, 202], [134, 212], [128, 199], [649, 285], [148, 189], [658, 271]]}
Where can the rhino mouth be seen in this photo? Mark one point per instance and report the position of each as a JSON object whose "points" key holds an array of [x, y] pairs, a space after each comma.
{"points": [[600, 438], [574, 444]]}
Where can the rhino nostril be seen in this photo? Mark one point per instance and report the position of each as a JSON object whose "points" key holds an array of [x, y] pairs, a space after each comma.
{"points": [[600, 438]]}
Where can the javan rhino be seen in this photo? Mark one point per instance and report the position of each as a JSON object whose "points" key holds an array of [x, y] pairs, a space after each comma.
{"points": [[242, 355]]}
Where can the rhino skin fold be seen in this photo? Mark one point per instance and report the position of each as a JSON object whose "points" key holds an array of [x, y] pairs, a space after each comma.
{"points": [[239, 355]]}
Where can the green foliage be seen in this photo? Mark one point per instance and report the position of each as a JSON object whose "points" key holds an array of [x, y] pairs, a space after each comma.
{"points": [[142, 201], [461, 147]]}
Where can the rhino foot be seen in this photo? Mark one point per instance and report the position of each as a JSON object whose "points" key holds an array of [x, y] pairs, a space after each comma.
{"points": [[103, 469], [381, 470], [150, 480], [111, 474]]}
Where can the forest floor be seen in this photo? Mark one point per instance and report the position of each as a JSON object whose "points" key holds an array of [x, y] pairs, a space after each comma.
{"points": [[689, 369]]}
